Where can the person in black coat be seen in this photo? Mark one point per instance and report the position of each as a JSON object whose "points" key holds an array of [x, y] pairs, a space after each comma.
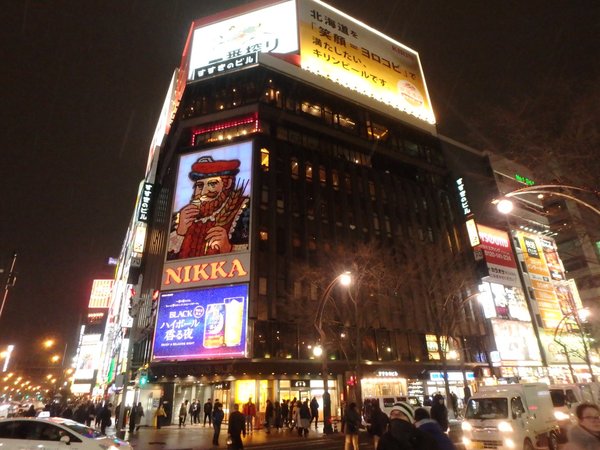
{"points": [[439, 412], [424, 423], [403, 434], [236, 428], [217, 419], [378, 425]]}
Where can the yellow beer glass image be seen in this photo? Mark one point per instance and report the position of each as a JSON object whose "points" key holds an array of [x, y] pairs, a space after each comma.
{"points": [[234, 320], [214, 325]]}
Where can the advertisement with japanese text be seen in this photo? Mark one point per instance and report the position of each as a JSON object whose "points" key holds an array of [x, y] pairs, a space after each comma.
{"points": [[498, 256], [220, 46], [338, 47], [205, 323], [538, 276], [210, 226]]}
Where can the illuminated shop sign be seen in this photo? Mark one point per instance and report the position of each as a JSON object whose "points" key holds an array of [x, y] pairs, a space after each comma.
{"points": [[386, 373], [462, 193], [217, 43], [87, 359], [507, 302], [226, 66], [202, 324], [206, 272], [524, 180], [300, 383], [516, 342], [452, 376], [223, 386], [144, 202], [101, 293], [346, 51], [499, 258], [472, 232]]}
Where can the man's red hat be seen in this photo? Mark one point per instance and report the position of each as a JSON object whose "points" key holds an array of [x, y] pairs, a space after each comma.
{"points": [[207, 167]]}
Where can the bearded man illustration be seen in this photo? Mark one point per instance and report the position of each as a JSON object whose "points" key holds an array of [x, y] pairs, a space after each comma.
{"points": [[217, 218]]}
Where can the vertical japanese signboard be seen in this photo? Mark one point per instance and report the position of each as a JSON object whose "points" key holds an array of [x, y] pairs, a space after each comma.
{"points": [[207, 323], [498, 256]]}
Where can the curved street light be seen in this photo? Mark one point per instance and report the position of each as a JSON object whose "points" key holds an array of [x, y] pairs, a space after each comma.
{"points": [[505, 205], [344, 279]]}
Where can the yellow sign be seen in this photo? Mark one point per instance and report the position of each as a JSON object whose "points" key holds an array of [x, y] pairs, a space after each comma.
{"points": [[338, 47]]}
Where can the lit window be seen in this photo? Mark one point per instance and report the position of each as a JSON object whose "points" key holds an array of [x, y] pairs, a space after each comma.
{"points": [[335, 179], [322, 174], [377, 131], [308, 171], [264, 159], [294, 167], [264, 235]]}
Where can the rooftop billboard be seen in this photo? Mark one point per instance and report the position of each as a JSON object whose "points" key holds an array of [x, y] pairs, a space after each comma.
{"points": [[329, 43]]}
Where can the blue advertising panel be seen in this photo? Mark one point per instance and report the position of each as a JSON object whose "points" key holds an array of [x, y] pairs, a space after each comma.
{"points": [[207, 323]]}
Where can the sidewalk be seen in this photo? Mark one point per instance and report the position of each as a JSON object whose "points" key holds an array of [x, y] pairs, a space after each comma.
{"points": [[197, 437]]}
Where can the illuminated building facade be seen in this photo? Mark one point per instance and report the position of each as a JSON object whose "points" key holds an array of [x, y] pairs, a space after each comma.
{"points": [[272, 149]]}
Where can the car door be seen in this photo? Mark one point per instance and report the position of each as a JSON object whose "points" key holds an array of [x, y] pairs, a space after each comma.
{"points": [[28, 435]]}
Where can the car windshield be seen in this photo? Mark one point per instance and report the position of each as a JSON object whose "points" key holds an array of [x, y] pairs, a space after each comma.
{"points": [[81, 429], [487, 408], [558, 397]]}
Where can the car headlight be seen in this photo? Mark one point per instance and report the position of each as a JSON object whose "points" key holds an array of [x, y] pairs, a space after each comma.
{"points": [[509, 443], [466, 426], [505, 427], [560, 416]]}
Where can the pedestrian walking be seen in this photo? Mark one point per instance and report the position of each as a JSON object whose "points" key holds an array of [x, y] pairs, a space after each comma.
{"points": [[439, 412], [105, 417], [586, 434], [217, 419], [135, 417], [378, 423], [249, 411], [208, 407], [314, 411], [236, 428], [285, 411], [191, 411], [304, 422], [160, 415], [269, 412], [278, 422], [183, 414], [351, 424], [402, 434], [425, 423]]}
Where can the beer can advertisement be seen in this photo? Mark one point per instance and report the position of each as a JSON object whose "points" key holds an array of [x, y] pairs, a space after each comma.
{"points": [[205, 323]]}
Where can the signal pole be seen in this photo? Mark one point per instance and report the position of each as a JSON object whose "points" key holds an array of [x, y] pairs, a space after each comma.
{"points": [[10, 282]]}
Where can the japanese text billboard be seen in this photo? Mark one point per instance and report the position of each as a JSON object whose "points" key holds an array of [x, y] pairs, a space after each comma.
{"points": [[205, 323], [220, 45], [210, 226], [498, 256], [101, 293], [338, 47], [539, 278]]}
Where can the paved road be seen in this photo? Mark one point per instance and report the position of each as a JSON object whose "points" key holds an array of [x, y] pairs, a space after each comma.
{"points": [[197, 437]]}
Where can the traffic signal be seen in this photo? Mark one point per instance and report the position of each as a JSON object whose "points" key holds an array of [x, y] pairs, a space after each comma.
{"points": [[143, 377]]}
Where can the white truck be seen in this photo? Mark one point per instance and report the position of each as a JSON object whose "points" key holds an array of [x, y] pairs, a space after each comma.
{"points": [[511, 416]]}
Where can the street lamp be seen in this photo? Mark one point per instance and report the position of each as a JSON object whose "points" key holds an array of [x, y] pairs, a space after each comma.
{"points": [[505, 205], [344, 279], [578, 316]]}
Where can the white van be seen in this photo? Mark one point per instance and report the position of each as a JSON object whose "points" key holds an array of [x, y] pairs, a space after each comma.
{"points": [[512, 416]]}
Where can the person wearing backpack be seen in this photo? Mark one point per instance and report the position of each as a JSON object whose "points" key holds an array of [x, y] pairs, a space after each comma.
{"points": [[402, 434]]}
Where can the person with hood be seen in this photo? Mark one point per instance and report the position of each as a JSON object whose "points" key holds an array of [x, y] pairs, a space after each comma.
{"points": [[402, 434], [586, 434], [439, 412], [351, 424], [379, 422], [424, 422]]}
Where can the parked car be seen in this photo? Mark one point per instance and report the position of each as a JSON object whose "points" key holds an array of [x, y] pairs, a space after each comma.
{"points": [[54, 433]]}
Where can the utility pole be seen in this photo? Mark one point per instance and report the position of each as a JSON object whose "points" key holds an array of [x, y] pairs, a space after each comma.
{"points": [[10, 282]]}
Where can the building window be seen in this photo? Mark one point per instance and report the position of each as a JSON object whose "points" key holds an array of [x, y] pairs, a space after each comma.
{"points": [[309, 173], [335, 180], [377, 131], [322, 175], [264, 235], [264, 159]]}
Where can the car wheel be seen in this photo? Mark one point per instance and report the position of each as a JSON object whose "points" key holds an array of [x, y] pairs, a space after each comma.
{"points": [[553, 441], [528, 445]]}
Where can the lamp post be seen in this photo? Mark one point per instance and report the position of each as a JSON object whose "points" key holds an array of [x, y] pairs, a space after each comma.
{"points": [[10, 282], [344, 279]]}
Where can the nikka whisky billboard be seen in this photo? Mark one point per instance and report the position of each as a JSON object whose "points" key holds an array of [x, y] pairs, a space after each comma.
{"points": [[209, 241], [207, 323]]}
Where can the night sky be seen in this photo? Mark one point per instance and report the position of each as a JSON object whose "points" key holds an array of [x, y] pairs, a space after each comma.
{"points": [[83, 82]]}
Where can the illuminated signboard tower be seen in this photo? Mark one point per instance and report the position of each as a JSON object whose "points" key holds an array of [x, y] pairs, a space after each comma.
{"points": [[293, 128]]}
